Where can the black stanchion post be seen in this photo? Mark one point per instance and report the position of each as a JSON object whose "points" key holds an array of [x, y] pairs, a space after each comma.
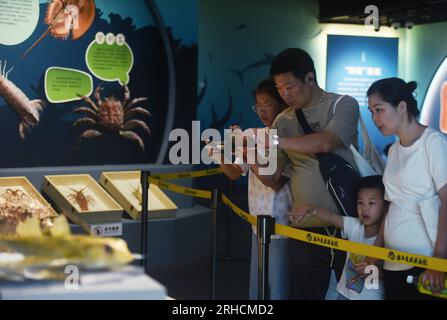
{"points": [[265, 228], [144, 204], [229, 229], [213, 249], [228, 210]]}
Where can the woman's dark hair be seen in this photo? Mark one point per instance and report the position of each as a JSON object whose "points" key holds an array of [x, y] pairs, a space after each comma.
{"points": [[395, 90], [268, 86], [293, 60], [372, 182]]}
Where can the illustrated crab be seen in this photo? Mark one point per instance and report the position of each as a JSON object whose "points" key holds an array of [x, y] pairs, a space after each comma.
{"points": [[112, 116]]}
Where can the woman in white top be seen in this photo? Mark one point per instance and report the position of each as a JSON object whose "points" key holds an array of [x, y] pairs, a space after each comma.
{"points": [[415, 175], [262, 200]]}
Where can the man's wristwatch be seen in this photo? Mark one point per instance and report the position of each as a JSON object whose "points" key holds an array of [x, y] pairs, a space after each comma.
{"points": [[276, 139]]}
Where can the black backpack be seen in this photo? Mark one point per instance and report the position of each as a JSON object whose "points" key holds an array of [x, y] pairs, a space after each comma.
{"points": [[340, 177]]}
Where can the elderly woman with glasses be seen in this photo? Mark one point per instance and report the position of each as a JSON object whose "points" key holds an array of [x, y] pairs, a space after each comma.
{"points": [[262, 200]]}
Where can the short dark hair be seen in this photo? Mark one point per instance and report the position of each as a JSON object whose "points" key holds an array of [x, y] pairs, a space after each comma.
{"points": [[395, 90], [372, 182], [293, 60], [268, 86]]}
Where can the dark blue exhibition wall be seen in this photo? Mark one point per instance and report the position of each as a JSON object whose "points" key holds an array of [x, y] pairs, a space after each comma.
{"points": [[150, 47], [156, 45], [238, 40]]}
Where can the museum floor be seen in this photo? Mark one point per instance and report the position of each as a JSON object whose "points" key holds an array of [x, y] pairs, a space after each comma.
{"points": [[192, 281]]}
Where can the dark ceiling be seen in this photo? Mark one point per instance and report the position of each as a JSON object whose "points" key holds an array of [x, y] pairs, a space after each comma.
{"points": [[391, 13]]}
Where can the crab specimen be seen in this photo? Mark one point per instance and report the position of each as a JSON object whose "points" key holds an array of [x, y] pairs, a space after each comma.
{"points": [[113, 116], [16, 206]]}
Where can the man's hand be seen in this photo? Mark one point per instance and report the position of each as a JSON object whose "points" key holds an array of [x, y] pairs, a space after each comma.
{"points": [[215, 154]]}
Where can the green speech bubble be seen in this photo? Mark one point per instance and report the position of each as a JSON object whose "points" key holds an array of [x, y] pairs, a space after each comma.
{"points": [[64, 85], [109, 59]]}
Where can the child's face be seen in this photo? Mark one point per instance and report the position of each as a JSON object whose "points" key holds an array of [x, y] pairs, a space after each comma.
{"points": [[267, 108], [370, 206]]}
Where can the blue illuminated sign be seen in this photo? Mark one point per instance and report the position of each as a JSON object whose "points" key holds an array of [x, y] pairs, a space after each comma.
{"points": [[353, 64]]}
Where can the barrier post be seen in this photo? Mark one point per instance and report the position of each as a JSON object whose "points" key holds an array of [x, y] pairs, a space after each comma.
{"points": [[265, 228], [228, 211], [229, 255], [213, 249], [144, 179]]}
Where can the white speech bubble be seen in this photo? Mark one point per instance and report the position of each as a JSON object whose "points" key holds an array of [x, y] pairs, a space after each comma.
{"points": [[110, 38], [120, 39], [18, 20], [100, 38]]}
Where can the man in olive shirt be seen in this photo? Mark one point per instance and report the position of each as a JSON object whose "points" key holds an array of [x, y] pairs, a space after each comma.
{"points": [[335, 129]]}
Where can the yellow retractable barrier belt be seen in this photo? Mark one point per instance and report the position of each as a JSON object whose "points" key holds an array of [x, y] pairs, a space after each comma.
{"points": [[302, 235], [182, 190], [244, 215], [345, 245], [363, 249], [183, 175]]}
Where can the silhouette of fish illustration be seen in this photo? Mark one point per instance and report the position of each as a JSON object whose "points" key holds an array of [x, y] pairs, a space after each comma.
{"points": [[221, 123], [267, 60], [240, 27]]}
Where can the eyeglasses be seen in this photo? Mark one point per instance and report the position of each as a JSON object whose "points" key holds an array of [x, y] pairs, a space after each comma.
{"points": [[258, 108]]}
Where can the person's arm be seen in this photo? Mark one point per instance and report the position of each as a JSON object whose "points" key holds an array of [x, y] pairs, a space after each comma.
{"points": [[313, 143], [276, 180], [436, 278], [280, 184], [380, 240], [272, 181], [277, 185], [231, 170], [297, 215], [369, 261], [341, 130]]}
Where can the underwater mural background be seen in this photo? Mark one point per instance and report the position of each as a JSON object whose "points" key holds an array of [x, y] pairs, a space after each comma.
{"points": [[49, 75]]}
